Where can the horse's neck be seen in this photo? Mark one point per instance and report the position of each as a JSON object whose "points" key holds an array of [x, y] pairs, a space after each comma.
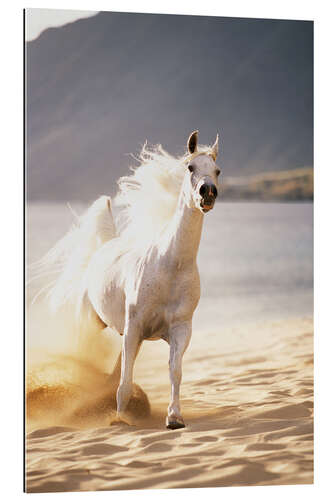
{"points": [[184, 232]]}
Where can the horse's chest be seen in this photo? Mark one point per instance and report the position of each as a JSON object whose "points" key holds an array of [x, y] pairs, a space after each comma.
{"points": [[173, 294]]}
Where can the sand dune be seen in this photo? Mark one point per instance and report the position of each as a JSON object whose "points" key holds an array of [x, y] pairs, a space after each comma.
{"points": [[247, 398]]}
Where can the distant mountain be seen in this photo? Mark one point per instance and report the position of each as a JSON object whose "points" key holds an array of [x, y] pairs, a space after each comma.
{"points": [[99, 87], [285, 185]]}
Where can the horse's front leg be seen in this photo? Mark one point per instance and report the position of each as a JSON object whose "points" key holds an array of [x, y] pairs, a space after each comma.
{"points": [[131, 345], [179, 338]]}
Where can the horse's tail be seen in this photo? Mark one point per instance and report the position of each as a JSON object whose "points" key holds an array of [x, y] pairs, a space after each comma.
{"points": [[69, 258]]}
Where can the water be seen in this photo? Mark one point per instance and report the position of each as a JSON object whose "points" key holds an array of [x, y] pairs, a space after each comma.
{"points": [[256, 263], [255, 259]]}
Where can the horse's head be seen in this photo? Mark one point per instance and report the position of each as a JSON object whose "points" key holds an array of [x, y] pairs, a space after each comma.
{"points": [[203, 173]]}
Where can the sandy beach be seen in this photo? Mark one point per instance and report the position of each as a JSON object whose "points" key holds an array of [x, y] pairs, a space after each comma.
{"points": [[248, 415]]}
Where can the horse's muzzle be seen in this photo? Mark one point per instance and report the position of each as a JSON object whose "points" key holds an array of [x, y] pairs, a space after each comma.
{"points": [[208, 193]]}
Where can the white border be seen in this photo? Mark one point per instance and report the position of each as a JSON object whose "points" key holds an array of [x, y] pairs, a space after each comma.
{"points": [[284, 9], [11, 233]]}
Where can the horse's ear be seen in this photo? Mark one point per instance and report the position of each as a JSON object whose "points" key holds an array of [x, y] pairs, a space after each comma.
{"points": [[215, 148], [192, 142]]}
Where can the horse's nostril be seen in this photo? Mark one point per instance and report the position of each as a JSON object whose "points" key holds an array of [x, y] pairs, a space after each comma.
{"points": [[203, 190], [214, 191]]}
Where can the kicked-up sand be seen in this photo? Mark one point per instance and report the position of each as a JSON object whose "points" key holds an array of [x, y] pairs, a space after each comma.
{"points": [[247, 401]]}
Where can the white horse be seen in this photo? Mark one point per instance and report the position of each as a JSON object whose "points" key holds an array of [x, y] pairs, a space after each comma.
{"points": [[142, 281]]}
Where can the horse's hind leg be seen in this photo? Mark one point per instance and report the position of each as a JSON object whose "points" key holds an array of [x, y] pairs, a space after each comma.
{"points": [[179, 338], [130, 349]]}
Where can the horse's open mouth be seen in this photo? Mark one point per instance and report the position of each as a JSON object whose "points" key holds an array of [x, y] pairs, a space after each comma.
{"points": [[206, 206]]}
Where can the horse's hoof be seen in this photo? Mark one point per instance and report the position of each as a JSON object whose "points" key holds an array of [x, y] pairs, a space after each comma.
{"points": [[174, 423]]}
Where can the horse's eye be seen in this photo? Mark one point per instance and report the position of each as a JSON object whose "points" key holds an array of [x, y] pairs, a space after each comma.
{"points": [[218, 171], [190, 167]]}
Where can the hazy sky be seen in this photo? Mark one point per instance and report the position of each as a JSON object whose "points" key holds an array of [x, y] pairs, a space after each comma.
{"points": [[37, 20]]}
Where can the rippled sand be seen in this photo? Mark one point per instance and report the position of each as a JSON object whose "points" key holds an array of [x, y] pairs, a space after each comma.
{"points": [[247, 399]]}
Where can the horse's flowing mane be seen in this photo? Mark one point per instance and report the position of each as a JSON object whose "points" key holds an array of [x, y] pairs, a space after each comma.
{"points": [[148, 197], [147, 200]]}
